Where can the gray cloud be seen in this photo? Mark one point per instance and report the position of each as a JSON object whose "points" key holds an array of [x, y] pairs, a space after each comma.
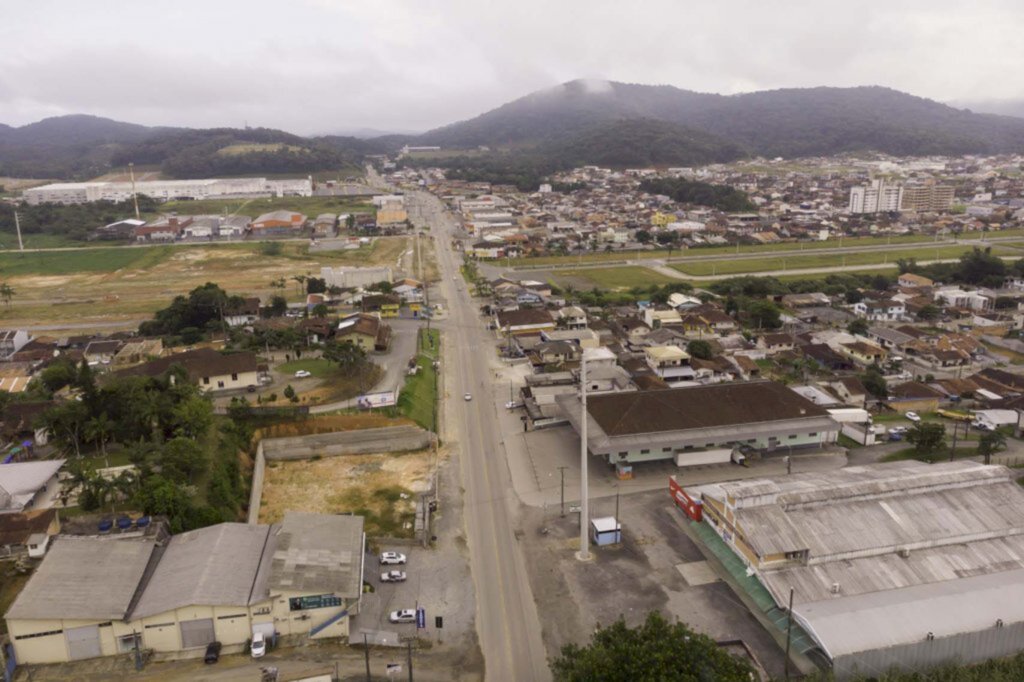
{"points": [[323, 65]]}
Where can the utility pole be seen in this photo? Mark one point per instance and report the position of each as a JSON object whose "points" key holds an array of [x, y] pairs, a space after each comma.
{"points": [[789, 629], [410, 659], [135, 197], [17, 226], [584, 553], [561, 470], [366, 650]]}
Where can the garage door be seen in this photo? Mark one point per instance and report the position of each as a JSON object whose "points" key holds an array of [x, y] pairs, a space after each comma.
{"points": [[196, 633], [83, 642]]}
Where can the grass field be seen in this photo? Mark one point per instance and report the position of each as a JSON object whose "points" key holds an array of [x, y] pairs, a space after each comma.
{"points": [[418, 398], [119, 285], [777, 263], [317, 367], [625, 277], [310, 206]]}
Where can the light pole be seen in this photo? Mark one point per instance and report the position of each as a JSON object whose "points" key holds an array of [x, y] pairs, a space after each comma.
{"points": [[561, 470], [584, 553]]}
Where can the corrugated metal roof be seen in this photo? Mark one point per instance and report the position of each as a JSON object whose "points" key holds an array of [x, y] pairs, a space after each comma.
{"points": [[84, 578], [319, 552], [893, 617]]}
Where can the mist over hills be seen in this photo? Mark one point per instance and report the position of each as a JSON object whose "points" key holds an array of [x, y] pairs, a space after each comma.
{"points": [[582, 121]]}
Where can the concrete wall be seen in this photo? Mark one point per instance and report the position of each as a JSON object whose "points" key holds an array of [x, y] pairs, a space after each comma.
{"points": [[256, 490], [362, 441]]}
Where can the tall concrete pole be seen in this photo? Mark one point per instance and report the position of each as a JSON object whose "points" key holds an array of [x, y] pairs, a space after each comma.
{"points": [[584, 553], [135, 197]]}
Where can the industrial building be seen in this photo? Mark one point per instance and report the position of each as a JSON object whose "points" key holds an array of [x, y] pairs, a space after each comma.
{"points": [[101, 596], [681, 423], [900, 564], [165, 190]]}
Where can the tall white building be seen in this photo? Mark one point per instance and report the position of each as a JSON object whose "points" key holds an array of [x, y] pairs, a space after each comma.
{"points": [[878, 197]]}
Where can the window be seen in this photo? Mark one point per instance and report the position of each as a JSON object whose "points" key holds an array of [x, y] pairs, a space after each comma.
{"points": [[812, 434], [666, 449], [220, 384], [623, 454], [39, 634], [792, 436], [206, 381], [644, 452], [234, 377]]}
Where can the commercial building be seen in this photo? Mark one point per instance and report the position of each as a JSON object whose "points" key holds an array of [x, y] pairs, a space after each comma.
{"points": [[878, 197], [165, 190], [902, 564], [101, 596], [640, 426]]}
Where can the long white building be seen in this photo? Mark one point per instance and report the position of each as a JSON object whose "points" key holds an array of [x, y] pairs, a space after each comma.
{"points": [[165, 190]]}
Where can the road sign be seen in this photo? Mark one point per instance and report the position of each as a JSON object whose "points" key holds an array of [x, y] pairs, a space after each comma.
{"points": [[421, 618], [575, 509]]}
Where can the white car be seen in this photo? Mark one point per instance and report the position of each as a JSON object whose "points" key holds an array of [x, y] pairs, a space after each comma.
{"points": [[511, 405], [259, 645], [468, 396], [403, 616], [393, 577], [302, 374], [913, 416], [391, 558]]}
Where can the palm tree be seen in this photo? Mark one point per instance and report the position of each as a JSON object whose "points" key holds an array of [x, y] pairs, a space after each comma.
{"points": [[6, 293], [299, 281], [98, 430]]}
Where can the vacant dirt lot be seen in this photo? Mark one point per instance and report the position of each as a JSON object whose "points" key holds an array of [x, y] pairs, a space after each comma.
{"points": [[382, 488], [104, 297]]}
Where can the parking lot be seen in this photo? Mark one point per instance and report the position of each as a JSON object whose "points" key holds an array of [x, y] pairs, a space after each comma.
{"points": [[657, 567]]}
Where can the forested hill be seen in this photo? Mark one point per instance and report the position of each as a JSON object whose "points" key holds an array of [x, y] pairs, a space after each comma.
{"points": [[790, 122], [82, 147]]}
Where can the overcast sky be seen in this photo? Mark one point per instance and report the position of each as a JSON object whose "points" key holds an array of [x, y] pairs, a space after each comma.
{"points": [[312, 66]]}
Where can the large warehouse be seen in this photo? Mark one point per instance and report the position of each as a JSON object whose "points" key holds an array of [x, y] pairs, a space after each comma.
{"points": [[98, 596], [900, 564], [640, 426]]}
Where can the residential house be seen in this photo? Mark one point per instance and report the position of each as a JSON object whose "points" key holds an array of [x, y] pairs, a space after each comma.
{"points": [[671, 363], [572, 317], [366, 331], [554, 353], [165, 229], [102, 351], [27, 486], [242, 312], [958, 298], [210, 370], [11, 341], [914, 396], [525, 321], [138, 350], [885, 309], [27, 533], [776, 343], [850, 390], [325, 225], [909, 280], [863, 353]]}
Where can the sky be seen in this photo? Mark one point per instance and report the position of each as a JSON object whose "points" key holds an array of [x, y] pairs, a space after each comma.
{"points": [[322, 66]]}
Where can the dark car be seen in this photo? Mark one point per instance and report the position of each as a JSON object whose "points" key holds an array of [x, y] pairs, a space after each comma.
{"points": [[212, 652]]}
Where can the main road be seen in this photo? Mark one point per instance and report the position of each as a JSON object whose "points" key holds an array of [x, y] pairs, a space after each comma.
{"points": [[506, 616]]}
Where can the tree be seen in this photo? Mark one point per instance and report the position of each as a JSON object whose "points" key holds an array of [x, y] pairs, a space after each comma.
{"points": [[764, 314], [346, 354], [655, 650], [316, 285], [192, 417], [929, 312], [989, 444], [320, 310], [98, 430], [858, 326], [699, 349], [927, 439], [875, 383], [278, 306], [854, 296], [182, 460], [643, 236]]}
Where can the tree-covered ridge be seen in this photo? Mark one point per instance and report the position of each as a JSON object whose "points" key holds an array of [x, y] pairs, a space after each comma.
{"points": [[684, 191]]}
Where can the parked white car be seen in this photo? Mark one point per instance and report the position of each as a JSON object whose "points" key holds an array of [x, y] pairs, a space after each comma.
{"points": [[913, 416], [393, 577], [403, 616], [302, 374], [259, 645], [468, 396], [391, 558]]}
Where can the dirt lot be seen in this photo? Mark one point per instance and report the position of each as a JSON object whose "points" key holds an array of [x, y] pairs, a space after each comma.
{"points": [[383, 488], [103, 297], [644, 573]]}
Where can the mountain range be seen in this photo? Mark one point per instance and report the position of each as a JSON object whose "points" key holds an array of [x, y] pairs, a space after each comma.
{"points": [[582, 121]]}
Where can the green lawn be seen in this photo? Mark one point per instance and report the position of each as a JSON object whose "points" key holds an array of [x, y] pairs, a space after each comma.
{"points": [[85, 260], [311, 206], [777, 263], [418, 398], [625, 277], [941, 456], [318, 367]]}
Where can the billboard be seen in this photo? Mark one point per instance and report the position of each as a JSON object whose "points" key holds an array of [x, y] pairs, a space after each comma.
{"points": [[368, 401]]}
